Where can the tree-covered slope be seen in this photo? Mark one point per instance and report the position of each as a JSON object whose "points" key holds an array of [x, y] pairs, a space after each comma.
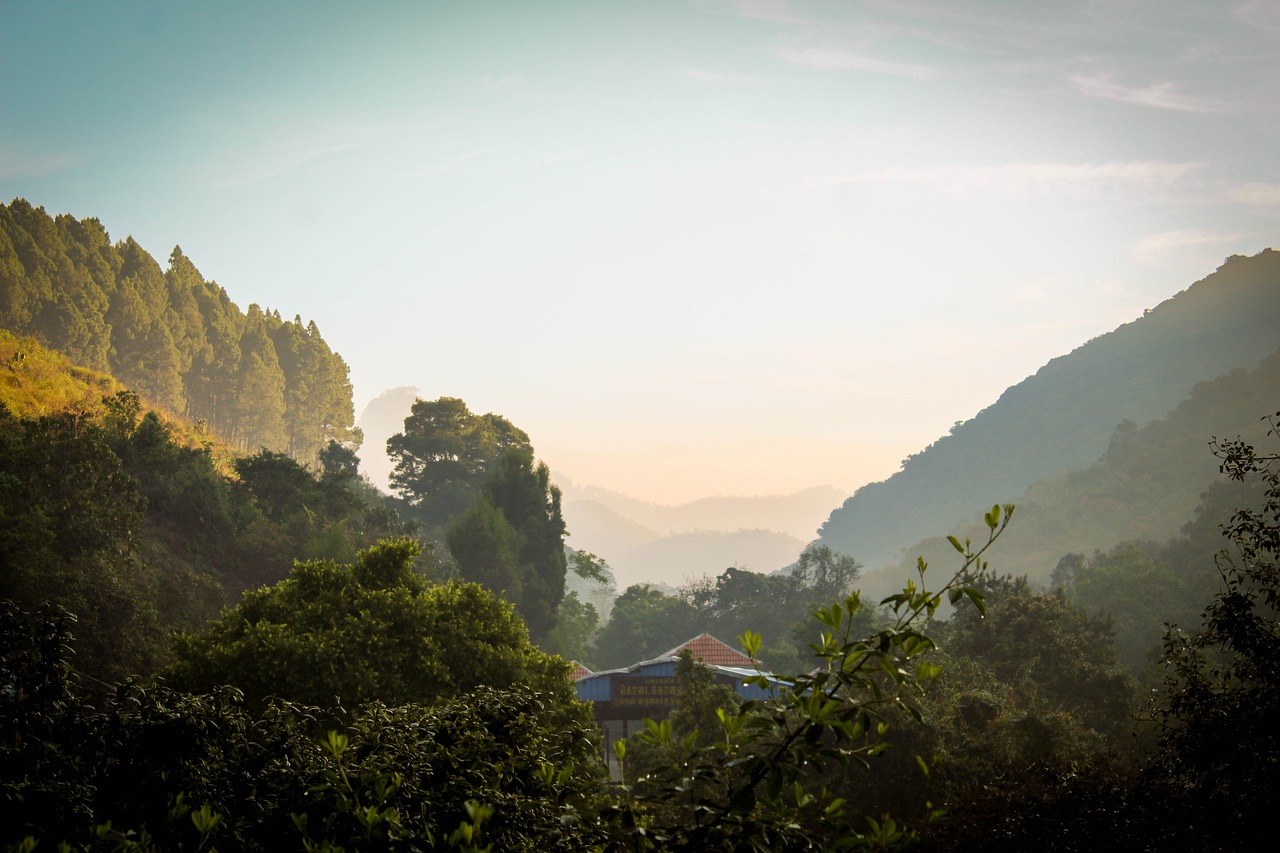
{"points": [[1063, 417], [1146, 486], [177, 340], [141, 523]]}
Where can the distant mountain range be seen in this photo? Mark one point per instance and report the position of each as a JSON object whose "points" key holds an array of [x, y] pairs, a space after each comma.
{"points": [[646, 542], [649, 542], [1081, 411], [1103, 444], [382, 418]]}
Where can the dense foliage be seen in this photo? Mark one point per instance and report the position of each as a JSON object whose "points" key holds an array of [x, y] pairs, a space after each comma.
{"points": [[646, 622], [512, 539], [153, 769], [1003, 729], [179, 341], [1221, 710], [115, 516], [346, 635], [443, 455]]}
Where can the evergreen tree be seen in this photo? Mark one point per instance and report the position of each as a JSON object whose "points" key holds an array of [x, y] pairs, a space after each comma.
{"points": [[259, 406], [184, 319], [486, 549], [443, 454], [525, 496]]}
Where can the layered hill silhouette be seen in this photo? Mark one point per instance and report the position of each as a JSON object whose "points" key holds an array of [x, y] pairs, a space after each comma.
{"points": [[1064, 418], [645, 542]]}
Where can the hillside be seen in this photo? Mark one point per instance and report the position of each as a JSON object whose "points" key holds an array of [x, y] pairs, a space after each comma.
{"points": [[141, 522], [253, 377], [1146, 486], [37, 381], [1062, 418]]}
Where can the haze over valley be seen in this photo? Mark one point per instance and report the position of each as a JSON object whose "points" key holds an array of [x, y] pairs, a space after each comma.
{"points": [[671, 426]]}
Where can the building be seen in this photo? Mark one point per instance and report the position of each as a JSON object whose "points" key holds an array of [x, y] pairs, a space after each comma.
{"points": [[624, 698]]}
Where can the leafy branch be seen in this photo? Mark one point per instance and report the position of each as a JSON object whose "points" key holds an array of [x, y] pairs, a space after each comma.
{"points": [[747, 789]]}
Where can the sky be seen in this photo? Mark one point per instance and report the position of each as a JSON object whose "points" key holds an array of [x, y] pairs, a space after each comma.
{"points": [[692, 248]]}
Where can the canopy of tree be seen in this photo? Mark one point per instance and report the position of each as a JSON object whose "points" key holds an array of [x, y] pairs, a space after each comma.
{"points": [[335, 634], [512, 539], [646, 622], [174, 338], [152, 769], [443, 455], [136, 525]]}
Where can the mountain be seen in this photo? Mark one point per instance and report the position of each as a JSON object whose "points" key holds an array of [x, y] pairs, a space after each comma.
{"points": [[1063, 418], [797, 514], [648, 542], [676, 558], [382, 418], [1146, 486]]}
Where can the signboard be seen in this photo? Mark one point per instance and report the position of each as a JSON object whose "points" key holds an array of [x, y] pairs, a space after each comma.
{"points": [[638, 692]]}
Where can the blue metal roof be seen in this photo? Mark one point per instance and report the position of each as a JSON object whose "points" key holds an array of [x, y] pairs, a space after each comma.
{"points": [[597, 687]]}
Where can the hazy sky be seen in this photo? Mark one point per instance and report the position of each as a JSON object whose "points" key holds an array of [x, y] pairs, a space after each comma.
{"points": [[691, 247]]}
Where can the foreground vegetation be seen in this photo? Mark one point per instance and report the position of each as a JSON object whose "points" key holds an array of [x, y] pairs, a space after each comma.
{"points": [[203, 647], [1006, 727]]}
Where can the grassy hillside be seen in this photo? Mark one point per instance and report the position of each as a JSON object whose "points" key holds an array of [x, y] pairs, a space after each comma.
{"points": [[141, 523], [1062, 418], [37, 381]]}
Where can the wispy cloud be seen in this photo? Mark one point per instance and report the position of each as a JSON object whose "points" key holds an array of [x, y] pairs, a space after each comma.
{"points": [[713, 76], [777, 11], [1164, 96], [843, 59], [446, 165], [281, 158], [1259, 13], [1258, 194], [505, 81], [15, 163], [1190, 248], [1025, 178]]}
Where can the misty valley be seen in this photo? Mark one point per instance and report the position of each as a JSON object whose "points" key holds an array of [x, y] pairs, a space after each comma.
{"points": [[237, 616]]}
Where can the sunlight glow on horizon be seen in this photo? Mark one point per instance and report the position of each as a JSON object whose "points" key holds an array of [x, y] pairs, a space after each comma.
{"points": [[692, 248]]}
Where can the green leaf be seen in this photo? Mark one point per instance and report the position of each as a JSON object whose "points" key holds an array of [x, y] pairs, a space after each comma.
{"points": [[978, 599]]}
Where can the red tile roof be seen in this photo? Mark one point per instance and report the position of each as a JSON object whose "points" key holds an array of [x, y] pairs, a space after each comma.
{"points": [[709, 650], [578, 671]]}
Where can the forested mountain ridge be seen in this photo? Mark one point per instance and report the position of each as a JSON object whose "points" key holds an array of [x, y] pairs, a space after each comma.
{"points": [[1148, 485], [1062, 418], [141, 523], [173, 337]]}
